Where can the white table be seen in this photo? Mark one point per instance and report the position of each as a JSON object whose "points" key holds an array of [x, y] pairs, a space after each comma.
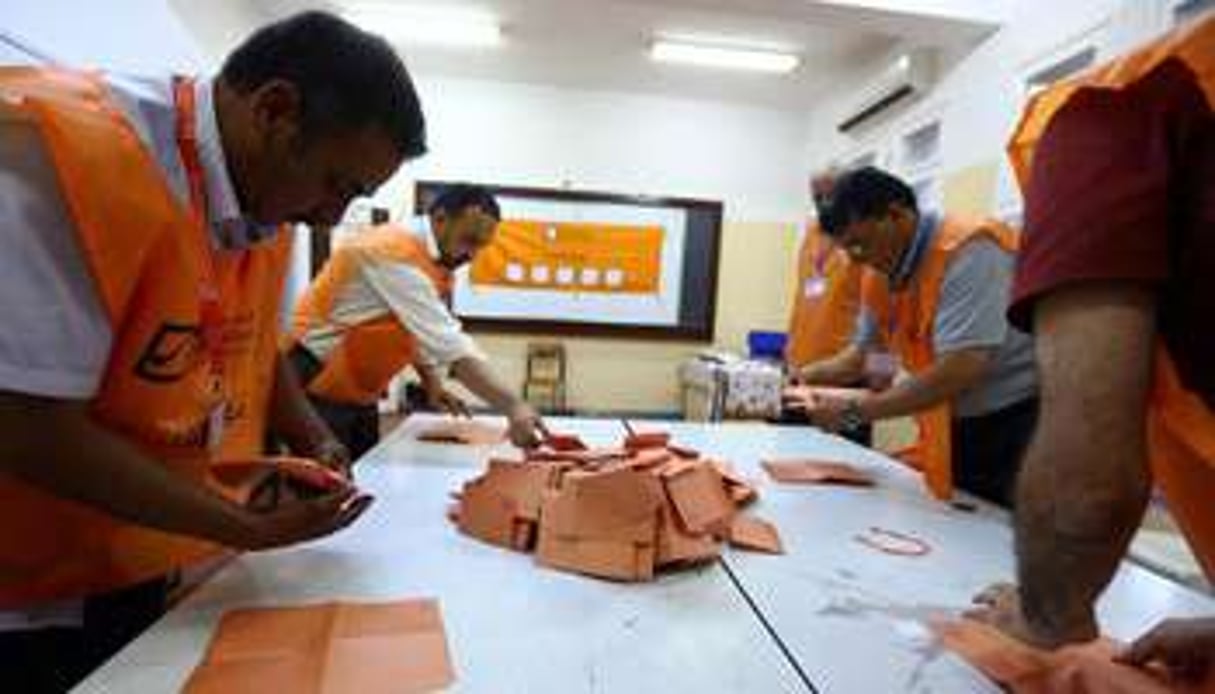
{"points": [[853, 618], [512, 626], [848, 618]]}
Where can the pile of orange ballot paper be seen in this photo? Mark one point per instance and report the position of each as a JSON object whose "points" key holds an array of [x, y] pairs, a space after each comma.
{"points": [[619, 513]]}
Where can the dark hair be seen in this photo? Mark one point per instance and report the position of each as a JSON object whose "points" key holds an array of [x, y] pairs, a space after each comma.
{"points": [[458, 197], [348, 78], [863, 194]]}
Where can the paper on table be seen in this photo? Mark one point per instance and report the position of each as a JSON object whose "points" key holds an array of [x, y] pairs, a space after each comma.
{"points": [[805, 471], [564, 442], [699, 496], [331, 648], [462, 431], [612, 513], [1080, 669], [749, 532]]}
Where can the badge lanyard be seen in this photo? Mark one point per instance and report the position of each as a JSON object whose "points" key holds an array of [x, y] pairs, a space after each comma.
{"points": [[211, 317], [816, 285]]}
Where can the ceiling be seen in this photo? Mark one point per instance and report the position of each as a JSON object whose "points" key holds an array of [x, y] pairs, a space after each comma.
{"points": [[602, 44]]}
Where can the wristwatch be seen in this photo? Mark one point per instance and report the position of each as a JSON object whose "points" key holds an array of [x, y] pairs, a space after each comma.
{"points": [[852, 417]]}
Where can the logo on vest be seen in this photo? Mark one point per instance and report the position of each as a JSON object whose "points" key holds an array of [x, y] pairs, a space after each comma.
{"points": [[170, 354]]}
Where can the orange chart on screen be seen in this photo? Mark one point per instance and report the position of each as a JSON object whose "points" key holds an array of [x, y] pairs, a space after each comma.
{"points": [[572, 257]]}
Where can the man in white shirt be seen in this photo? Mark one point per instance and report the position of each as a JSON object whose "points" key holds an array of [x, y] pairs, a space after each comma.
{"points": [[381, 304], [140, 222]]}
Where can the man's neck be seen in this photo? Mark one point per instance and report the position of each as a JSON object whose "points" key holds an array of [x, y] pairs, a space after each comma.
{"points": [[226, 107]]}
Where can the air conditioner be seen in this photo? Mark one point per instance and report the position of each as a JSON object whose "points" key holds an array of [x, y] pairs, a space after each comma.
{"points": [[907, 75]]}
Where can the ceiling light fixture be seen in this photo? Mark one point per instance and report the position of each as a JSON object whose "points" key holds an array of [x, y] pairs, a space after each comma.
{"points": [[427, 25], [722, 56]]}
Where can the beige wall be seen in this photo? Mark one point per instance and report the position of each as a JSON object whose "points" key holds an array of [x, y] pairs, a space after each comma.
{"points": [[754, 288]]}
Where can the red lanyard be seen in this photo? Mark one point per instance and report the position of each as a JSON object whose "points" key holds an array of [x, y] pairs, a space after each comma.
{"points": [[822, 251], [211, 315]]}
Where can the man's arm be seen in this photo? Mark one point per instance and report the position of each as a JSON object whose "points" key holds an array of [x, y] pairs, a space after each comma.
{"points": [[416, 303], [950, 375], [437, 394], [55, 446], [845, 368], [476, 375], [293, 419], [1085, 480]]}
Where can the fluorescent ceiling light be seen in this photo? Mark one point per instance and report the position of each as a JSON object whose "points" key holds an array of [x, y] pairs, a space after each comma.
{"points": [[722, 56], [427, 25]]}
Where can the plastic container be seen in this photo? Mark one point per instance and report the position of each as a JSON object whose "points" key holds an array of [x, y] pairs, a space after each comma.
{"points": [[766, 345]]}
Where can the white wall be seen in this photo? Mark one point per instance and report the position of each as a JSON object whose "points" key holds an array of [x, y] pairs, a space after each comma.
{"points": [[514, 134], [979, 96], [137, 36], [749, 158]]}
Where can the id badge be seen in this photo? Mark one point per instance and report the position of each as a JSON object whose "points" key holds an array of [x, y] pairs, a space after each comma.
{"points": [[814, 287], [880, 365], [215, 426]]}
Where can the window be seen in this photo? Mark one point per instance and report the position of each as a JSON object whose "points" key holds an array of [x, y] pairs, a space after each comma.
{"points": [[1060, 69], [921, 148]]}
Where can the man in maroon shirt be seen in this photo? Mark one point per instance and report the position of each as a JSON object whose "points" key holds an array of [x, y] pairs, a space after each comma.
{"points": [[1117, 272]]}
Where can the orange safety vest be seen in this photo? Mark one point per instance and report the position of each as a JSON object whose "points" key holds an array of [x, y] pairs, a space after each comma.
{"points": [[825, 302], [370, 353], [906, 320], [170, 366], [1181, 428]]}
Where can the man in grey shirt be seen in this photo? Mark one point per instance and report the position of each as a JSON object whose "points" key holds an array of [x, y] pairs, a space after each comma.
{"points": [[982, 367]]}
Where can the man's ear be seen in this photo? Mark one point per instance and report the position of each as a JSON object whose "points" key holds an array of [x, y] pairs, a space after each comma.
{"points": [[277, 108]]}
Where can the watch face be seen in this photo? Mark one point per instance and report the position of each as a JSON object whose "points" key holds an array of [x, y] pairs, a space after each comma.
{"points": [[852, 417]]}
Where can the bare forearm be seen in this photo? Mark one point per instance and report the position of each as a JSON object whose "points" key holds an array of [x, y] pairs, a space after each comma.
{"points": [[1085, 480], [844, 369], [1073, 525], [477, 376], [55, 447], [291, 415], [952, 374], [428, 376]]}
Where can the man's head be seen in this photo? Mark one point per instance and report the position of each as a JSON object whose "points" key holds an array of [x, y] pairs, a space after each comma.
{"points": [[312, 113], [822, 184], [872, 215], [464, 219]]}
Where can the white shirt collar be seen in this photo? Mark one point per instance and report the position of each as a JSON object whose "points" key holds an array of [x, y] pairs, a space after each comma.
{"points": [[230, 225], [423, 229]]}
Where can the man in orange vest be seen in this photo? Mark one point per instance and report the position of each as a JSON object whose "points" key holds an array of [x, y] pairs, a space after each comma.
{"points": [[826, 299], [934, 297], [142, 265], [1117, 281], [828, 293], [380, 304]]}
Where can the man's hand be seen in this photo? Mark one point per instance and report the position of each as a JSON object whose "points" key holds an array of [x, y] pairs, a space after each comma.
{"points": [[999, 606], [1184, 647], [331, 453], [299, 521], [526, 428], [824, 408], [444, 400]]}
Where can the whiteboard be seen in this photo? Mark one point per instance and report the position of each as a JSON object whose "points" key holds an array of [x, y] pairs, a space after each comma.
{"points": [[681, 306]]}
